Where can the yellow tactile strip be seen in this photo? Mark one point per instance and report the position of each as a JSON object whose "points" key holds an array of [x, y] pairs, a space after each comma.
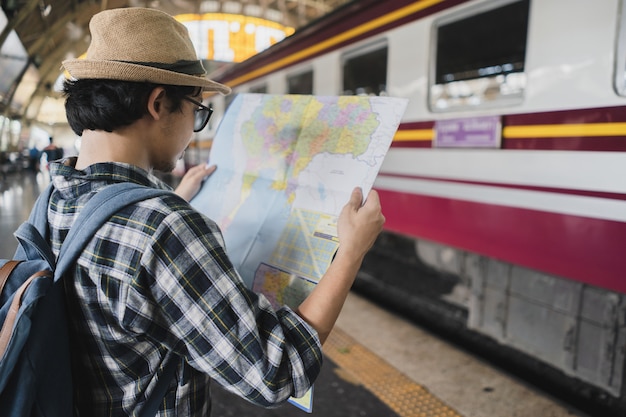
{"points": [[398, 392]]}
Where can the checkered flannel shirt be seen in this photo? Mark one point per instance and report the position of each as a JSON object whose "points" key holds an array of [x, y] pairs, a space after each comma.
{"points": [[155, 284]]}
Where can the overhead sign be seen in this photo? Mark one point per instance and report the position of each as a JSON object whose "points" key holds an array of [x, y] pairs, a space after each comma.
{"points": [[231, 37]]}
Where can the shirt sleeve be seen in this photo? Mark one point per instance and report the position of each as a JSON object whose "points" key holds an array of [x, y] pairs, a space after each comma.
{"points": [[188, 296]]}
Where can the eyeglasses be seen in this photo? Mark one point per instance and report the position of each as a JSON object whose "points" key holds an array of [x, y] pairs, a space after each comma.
{"points": [[202, 116]]}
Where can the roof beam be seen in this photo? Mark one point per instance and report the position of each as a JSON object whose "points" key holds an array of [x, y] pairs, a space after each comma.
{"points": [[86, 9], [18, 19]]}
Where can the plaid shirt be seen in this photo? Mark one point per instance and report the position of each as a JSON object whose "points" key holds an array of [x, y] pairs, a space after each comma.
{"points": [[154, 285]]}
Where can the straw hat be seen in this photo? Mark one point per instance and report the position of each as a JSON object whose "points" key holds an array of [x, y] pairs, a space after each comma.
{"points": [[144, 45]]}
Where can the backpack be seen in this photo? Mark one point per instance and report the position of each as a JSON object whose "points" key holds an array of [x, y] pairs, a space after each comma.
{"points": [[35, 366]]}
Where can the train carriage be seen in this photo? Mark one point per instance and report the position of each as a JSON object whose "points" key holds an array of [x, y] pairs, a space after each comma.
{"points": [[505, 186]]}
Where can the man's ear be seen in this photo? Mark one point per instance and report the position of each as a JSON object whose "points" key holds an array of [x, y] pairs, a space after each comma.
{"points": [[156, 103]]}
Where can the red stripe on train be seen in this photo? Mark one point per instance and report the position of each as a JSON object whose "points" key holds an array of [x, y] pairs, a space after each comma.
{"points": [[583, 249], [580, 143]]}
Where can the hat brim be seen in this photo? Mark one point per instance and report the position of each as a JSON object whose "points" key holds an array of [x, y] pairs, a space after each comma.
{"points": [[124, 71]]}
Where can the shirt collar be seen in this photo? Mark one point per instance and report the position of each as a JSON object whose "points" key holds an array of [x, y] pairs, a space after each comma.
{"points": [[72, 182]]}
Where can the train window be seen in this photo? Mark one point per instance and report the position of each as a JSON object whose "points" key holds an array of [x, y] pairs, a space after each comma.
{"points": [[260, 89], [301, 83], [365, 71], [478, 56]]}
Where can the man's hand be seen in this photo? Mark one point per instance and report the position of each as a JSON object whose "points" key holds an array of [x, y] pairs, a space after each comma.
{"points": [[360, 223], [192, 180]]}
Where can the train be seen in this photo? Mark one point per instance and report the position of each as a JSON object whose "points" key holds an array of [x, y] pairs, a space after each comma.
{"points": [[504, 188]]}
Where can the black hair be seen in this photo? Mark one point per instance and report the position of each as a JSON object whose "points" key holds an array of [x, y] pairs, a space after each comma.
{"points": [[110, 104]]}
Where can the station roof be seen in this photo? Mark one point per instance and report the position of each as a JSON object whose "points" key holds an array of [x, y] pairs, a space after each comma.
{"points": [[53, 30]]}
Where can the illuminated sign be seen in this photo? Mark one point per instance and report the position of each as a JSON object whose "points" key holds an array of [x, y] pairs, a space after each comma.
{"points": [[231, 37]]}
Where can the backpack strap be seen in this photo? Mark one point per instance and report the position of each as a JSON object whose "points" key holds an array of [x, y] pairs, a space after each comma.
{"points": [[102, 206], [12, 315], [32, 244], [5, 271], [32, 234], [152, 405]]}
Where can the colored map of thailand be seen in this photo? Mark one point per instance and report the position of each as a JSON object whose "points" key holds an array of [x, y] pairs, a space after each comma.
{"points": [[287, 164]]}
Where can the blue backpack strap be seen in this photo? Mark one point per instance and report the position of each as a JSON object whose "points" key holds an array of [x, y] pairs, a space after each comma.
{"points": [[101, 207], [32, 245], [32, 235]]}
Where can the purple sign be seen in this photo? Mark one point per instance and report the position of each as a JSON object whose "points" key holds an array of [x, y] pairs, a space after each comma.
{"points": [[472, 132]]}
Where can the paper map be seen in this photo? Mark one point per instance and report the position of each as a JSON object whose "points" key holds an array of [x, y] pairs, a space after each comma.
{"points": [[286, 166]]}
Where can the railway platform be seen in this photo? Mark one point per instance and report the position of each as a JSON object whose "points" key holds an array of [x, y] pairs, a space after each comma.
{"points": [[377, 364], [380, 365]]}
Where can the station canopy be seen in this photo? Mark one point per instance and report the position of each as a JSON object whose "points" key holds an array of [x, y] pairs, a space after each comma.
{"points": [[38, 34]]}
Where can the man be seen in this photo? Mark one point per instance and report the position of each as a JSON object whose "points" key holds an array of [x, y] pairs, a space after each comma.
{"points": [[155, 284]]}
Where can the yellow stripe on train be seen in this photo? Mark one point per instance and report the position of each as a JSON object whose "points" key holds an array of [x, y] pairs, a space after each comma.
{"points": [[530, 131], [564, 130], [414, 134]]}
